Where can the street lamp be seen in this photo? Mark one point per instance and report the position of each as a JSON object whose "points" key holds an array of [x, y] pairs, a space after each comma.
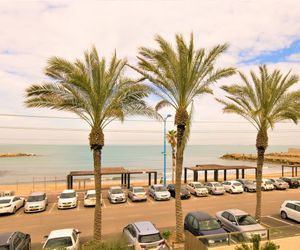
{"points": [[165, 149]]}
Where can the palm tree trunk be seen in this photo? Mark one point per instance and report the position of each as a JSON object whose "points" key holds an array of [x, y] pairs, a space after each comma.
{"points": [[98, 208], [261, 146], [179, 162], [173, 163]]}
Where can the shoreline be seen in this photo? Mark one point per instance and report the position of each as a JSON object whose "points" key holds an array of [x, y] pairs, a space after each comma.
{"points": [[9, 155]]}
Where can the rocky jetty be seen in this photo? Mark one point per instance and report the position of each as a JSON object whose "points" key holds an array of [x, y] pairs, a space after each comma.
{"points": [[282, 157], [15, 155]]}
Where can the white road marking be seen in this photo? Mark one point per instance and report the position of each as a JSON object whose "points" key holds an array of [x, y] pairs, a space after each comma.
{"points": [[52, 207], [280, 220], [103, 204]]}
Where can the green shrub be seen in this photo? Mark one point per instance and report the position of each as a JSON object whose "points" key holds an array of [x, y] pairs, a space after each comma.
{"points": [[256, 245], [118, 244], [166, 234]]}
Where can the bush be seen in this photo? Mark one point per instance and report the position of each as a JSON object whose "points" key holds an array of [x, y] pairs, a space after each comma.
{"points": [[118, 244], [256, 245], [166, 234]]}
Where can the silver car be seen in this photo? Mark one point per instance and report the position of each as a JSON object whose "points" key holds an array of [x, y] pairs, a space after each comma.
{"points": [[215, 187], [235, 220], [116, 195], [279, 184], [196, 188], [159, 192], [36, 202], [248, 185], [137, 194]]}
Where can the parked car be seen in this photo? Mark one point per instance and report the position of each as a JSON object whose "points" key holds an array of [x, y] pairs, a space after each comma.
{"points": [[145, 235], [15, 241], [137, 194], [233, 187], [89, 199], [184, 192], [116, 195], [293, 182], [67, 199], [248, 185], [197, 188], [202, 224], [159, 192], [63, 239], [36, 202], [279, 184], [266, 185], [235, 220], [290, 210], [11, 204], [215, 188]]}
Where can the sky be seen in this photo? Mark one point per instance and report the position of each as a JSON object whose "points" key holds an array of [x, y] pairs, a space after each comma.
{"points": [[258, 32]]}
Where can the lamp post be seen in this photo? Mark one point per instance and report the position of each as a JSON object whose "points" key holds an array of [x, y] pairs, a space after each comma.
{"points": [[165, 150]]}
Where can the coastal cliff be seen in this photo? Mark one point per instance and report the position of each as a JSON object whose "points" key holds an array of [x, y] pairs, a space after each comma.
{"points": [[2, 155], [290, 157]]}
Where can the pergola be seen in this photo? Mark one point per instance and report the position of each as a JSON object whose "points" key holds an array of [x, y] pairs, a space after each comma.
{"points": [[294, 168], [216, 168], [125, 175]]}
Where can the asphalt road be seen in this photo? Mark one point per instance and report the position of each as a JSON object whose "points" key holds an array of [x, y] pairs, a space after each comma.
{"points": [[162, 213]]}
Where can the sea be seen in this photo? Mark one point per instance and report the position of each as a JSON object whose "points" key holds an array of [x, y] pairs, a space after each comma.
{"points": [[56, 161]]}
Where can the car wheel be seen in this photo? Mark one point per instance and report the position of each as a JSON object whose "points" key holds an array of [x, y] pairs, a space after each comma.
{"points": [[283, 215], [230, 191], [14, 210]]}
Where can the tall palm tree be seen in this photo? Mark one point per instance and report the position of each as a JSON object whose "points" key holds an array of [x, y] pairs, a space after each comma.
{"points": [[171, 137], [97, 92], [178, 76], [264, 100]]}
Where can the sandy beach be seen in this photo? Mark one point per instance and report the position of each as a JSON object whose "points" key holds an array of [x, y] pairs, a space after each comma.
{"points": [[51, 186]]}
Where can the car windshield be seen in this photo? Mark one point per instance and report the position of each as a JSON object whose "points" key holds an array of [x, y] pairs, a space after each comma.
{"points": [[91, 196], [67, 195], [237, 184], [294, 179], [160, 189], [249, 182], [279, 180], [207, 225], [5, 201], [268, 182], [35, 198], [149, 238], [117, 191], [59, 243], [138, 190], [217, 184], [198, 185], [245, 220]]}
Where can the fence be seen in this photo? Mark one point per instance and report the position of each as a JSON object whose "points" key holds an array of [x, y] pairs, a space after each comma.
{"points": [[217, 240]]}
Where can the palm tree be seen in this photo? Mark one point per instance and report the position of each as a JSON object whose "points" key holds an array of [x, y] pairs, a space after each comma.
{"points": [[97, 92], [178, 76], [264, 100], [171, 137]]}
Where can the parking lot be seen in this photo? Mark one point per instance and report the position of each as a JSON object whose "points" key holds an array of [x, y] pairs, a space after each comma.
{"points": [[162, 213]]}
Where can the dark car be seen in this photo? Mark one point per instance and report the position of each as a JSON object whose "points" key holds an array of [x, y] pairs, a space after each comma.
{"points": [[15, 241], [202, 224], [293, 182], [184, 193]]}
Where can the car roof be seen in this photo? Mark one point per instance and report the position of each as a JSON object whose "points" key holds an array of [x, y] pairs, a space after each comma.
{"points": [[157, 185], [60, 233], [137, 187], [91, 191], [200, 215], [293, 201], [214, 182], [68, 191], [236, 212], [234, 181], [195, 182], [37, 193], [115, 187], [4, 238], [145, 227]]}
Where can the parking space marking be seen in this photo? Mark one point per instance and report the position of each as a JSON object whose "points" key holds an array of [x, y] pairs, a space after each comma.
{"points": [[103, 203], [273, 218], [20, 211], [52, 207], [129, 204], [150, 201]]}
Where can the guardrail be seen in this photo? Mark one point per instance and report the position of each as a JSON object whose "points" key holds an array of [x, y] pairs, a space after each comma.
{"points": [[217, 240]]}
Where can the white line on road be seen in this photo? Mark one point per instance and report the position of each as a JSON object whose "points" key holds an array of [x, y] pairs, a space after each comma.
{"points": [[103, 203], [52, 207], [280, 220]]}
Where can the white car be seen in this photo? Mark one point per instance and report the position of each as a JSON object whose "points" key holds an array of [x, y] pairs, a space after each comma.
{"points": [[63, 239], [197, 188], [36, 202], [116, 195], [266, 185], [233, 187], [137, 194], [90, 198], [67, 199], [11, 204], [290, 210], [159, 192]]}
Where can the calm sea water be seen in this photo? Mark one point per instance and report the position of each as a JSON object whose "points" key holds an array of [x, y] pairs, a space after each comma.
{"points": [[59, 160]]}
